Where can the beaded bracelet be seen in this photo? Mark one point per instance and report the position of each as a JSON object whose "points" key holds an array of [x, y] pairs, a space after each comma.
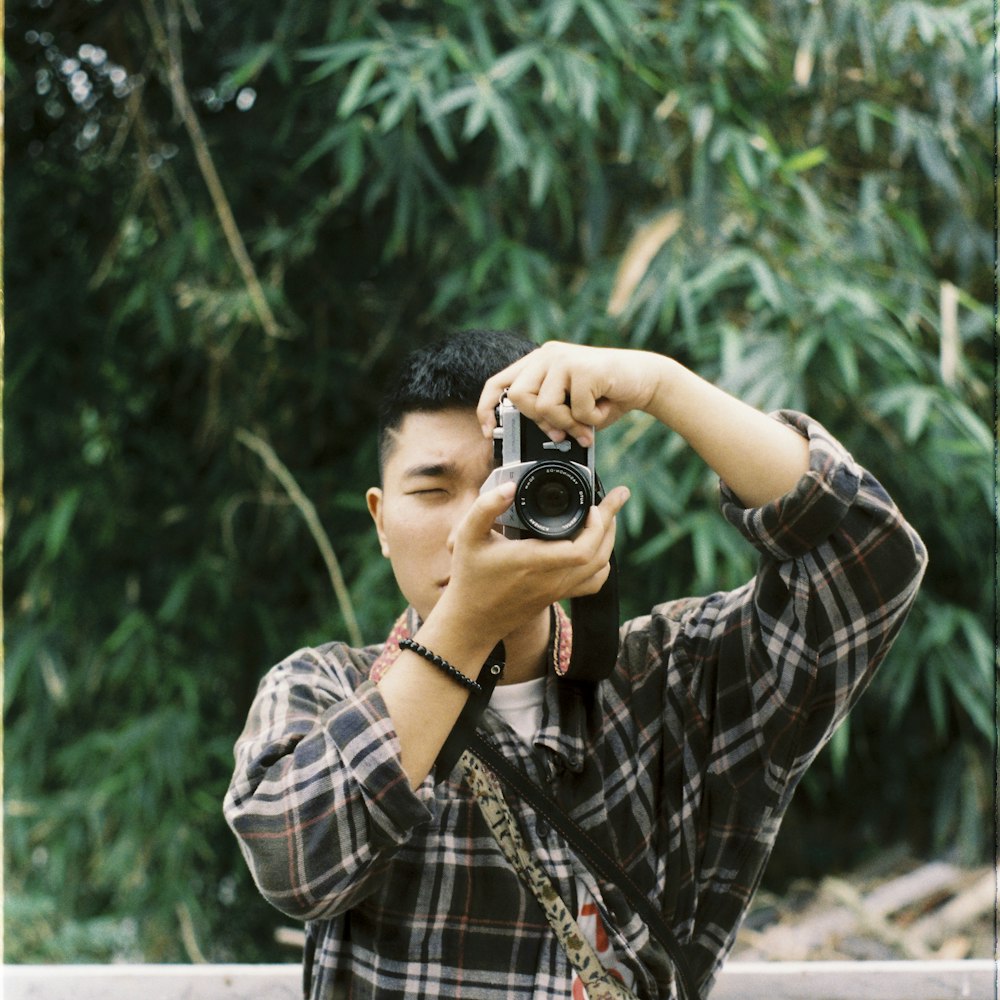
{"points": [[441, 663]]}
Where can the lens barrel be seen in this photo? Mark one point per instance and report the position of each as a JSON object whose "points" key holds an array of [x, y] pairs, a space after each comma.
{"points": [[552, 499]]}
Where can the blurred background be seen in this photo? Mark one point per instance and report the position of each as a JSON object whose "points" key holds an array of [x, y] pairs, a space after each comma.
{"points": [[226, 221]]}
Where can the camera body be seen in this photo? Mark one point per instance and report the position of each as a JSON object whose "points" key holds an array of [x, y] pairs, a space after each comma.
{"points": [[555, 480]]}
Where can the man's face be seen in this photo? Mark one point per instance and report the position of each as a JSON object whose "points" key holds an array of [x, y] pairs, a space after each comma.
{"points": [[431, 477]]}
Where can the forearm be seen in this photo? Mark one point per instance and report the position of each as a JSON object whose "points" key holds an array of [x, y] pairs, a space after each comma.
{"points": [[424, 702], [759, 458], [571, 389]]}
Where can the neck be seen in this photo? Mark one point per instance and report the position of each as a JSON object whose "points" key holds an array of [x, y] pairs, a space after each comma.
{"points": [[526, 651]]}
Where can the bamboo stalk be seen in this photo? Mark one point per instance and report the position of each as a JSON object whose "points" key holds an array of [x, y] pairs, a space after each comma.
{"points": [[951, 343], [223, 210], [308, 510]]}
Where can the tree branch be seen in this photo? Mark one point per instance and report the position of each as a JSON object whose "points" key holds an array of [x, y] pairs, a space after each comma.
{"points": [[206, 164], [308, 510]]}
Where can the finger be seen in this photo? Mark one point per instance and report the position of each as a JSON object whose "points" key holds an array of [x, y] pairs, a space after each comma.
{"points": [[611, 506], [586, 410], [488, 506], [593, 545], [566, 407], [552, 396], [544, 399], [593, 583], [493, 388]]}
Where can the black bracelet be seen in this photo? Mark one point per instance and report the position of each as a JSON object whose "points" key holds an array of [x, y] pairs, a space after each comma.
{"points": [[441, 663]]}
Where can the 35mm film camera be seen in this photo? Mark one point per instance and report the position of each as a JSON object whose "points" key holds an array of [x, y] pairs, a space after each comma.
{"points": [[555, 480]]}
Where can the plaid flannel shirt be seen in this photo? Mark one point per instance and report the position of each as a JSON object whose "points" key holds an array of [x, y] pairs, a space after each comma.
{"points": [[684, 761]]}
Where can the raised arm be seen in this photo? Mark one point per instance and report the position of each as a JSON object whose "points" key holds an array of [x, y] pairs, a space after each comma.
{"points": [[566, 388]]}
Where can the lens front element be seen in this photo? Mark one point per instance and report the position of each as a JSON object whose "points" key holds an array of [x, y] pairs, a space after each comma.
{"points": [[552, 499]]}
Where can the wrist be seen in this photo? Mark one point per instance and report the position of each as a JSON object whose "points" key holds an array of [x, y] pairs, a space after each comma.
{"points": [[665, 373], [452, 633]]}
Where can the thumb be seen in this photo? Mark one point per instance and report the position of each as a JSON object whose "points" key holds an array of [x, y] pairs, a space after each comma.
{"points": [[488, 506], [618, 497]]}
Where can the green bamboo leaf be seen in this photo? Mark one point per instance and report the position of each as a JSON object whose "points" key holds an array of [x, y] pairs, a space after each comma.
{"points": [[131, 625], [936, 697], [805, 160], [975, 699], [560, 14], [250, 68], [915, 417], [177, 597], [394, 108], [436, 122], [514, 146], [865, 126], [357, 86], [748, 35], [478, 114], [840, 748], [935, 163], [540, 179], [457, 98], [767, 283], [60, 521], [597, 14], [847, 362], [333, 59], [512, 65]]}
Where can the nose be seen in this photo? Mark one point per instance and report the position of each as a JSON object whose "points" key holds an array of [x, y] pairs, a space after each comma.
{"points": [[452, 533]]}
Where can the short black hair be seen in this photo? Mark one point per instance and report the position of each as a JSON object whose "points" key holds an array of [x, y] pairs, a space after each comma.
{"points": [[448, 373]]}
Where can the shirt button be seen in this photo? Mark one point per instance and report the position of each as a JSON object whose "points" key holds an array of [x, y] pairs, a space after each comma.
{"points": [[542, 829]]}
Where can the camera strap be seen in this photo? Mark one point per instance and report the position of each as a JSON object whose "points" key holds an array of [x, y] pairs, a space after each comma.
{"points": [[472, 712], [600, 862], [595, 621], [597, 859]]}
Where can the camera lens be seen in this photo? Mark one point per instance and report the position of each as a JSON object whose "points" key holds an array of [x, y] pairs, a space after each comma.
{"points": [[552, 499]]}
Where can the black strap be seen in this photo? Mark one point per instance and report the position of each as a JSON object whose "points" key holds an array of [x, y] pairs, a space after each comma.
{"points": [[597, 859], [595, 621], [472, 712]]}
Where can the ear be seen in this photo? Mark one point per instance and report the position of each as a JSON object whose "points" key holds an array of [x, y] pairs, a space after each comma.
{"points": [[374, 500]]}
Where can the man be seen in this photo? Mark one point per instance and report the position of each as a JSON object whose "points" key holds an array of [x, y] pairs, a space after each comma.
{"points": [[683, 760]]}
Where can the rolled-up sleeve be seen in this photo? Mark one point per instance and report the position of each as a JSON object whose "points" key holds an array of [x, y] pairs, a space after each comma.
{"points": [[319, 800], [840, 570], [758, 678]]}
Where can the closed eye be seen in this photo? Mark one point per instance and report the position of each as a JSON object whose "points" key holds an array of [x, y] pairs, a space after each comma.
{"points": [[425, 492]]}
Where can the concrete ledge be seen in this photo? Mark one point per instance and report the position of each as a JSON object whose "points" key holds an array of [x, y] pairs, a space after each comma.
{"points": [[975, 979]]}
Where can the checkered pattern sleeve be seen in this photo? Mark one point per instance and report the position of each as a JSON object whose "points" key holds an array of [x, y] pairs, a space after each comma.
{"points": [[840, 569], [757, 679], [319, 800]]}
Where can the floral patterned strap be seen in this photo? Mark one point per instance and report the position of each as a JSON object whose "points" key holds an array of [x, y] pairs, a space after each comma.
{"points": [[598, 982]]}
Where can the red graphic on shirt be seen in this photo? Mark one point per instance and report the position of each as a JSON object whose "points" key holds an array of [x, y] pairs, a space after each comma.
{"points": [[601, 935]]}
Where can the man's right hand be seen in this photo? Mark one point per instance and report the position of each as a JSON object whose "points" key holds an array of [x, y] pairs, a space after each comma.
{"points": [[499, 584]]}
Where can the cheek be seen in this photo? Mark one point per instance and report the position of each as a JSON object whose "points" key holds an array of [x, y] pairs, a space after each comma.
{"points": [[409, 535]]}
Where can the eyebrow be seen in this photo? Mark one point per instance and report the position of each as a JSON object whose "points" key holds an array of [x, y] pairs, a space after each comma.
{"points": [[434, 470]]}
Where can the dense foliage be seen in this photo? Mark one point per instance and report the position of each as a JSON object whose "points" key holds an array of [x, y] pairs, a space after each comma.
{"points": [[225, 221]]}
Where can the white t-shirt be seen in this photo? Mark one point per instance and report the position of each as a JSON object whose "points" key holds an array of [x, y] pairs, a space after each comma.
{"points": [[520, 706]]}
